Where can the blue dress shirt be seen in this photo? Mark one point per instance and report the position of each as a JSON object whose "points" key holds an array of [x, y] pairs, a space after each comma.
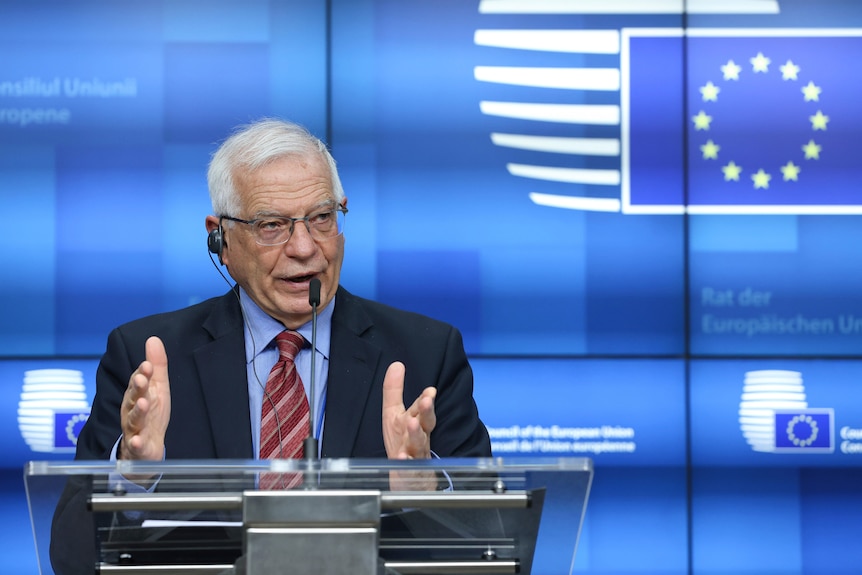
{"points": [[261, 354]]}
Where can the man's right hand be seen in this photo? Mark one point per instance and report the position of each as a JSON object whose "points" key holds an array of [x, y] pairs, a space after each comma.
{"points": [[146, 409]]}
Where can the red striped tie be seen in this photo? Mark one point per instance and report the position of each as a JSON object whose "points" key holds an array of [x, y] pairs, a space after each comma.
{"points": [[284, 419]]}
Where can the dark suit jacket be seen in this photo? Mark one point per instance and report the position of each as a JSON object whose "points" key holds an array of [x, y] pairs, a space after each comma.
{"points": [[209, 390], [209, 394]]}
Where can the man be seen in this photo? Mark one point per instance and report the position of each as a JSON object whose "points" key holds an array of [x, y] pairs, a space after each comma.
{"points": [[192, 384], [211, 360]]}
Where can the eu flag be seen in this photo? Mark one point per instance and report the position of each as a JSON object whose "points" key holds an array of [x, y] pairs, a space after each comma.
{"points": [[771, 121], [804, 430]]}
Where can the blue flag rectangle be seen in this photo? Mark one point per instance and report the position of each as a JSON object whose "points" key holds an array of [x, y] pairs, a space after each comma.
{"points": [[770, 122], [809, 430]]}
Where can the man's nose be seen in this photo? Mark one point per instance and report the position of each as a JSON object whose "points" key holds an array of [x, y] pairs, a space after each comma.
{"points": [[301, 240]]}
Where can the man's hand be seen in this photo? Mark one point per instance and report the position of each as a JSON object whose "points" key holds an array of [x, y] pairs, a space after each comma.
{"points": [[406, 432], [146, 409]]}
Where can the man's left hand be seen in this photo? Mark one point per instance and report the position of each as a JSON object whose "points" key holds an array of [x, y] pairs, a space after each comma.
{"points": [[406, 431]]}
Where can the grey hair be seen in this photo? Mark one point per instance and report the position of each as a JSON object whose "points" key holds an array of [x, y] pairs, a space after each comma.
{"points": [[254, 145]]}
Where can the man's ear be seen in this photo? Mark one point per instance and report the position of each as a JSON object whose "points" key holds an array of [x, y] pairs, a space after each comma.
{"points": [[216, 243]]}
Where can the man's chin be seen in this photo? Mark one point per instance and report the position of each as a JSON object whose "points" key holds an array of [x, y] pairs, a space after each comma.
{"points": [[294, 313]]}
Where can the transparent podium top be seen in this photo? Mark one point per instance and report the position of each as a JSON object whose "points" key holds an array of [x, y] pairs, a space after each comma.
{"points": [[490, 515]]}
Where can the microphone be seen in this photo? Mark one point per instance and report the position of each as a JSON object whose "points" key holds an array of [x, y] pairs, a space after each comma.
{"points": [[314, 294], [309, 447]]}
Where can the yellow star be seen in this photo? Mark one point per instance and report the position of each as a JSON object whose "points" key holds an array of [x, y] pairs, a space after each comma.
{"points": [[812, 150], [761, 179], [818, 121], [710, 92], [731, 172], [790, 171], [701, 121], [710, 150], [789, 71], [811, 92], [760, 63], [731, 70]]}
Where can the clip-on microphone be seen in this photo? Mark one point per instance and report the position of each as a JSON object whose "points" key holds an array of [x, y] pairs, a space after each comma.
{"points": [[309, 446]]}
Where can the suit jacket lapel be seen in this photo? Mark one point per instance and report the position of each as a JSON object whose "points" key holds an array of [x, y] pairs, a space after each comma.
{"points": [[352, 368], [221, 364]]}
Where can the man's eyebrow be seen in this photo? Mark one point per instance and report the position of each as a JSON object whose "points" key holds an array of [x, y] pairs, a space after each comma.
{"points": [[327, 204]]}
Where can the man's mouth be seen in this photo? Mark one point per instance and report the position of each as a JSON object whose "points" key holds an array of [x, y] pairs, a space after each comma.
{"points": [[300, 279]]}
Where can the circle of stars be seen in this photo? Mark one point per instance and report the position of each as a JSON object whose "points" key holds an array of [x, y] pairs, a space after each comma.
{"points": [[806, 422], [760, 65]]}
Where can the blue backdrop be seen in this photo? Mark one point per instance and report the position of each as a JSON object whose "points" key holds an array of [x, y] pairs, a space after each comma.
{"points": [[644, 221]]}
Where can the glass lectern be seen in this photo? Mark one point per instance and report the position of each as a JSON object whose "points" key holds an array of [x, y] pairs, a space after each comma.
{"points": [[375, 517]]}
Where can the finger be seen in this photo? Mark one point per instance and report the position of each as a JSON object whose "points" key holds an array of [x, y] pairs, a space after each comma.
{"points": [[153, 370], [158, 359], [137, 390], [393, 388], [134, 443], [138, 413], [416, 442], [427, 415], [424, 402]]}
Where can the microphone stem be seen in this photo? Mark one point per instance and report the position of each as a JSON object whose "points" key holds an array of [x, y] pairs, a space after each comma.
{"points": [[310, 450]]}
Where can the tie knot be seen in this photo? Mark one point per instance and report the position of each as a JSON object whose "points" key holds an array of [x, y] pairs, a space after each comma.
{"points": [[289, 343]]}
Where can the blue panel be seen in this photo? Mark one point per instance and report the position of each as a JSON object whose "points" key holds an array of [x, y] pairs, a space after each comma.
{"points": [[732, 403], [184, 21], [656, 148], [619, 412], [746, 521], [27, 178], [556, 323], [188, 273], [110, 113], [73, 93], [636, 522], [453, 296], [102, 193], [108, 271], [360, 232], [298, 47], [634, 279], [232, 79], [831, 503], [83, 21], [351, 119], [780, 302], [763, 234]]}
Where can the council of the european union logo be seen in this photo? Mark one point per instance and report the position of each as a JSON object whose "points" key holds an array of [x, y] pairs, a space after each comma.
{"points": [[775, 418], [52, 409], [769, 115]]}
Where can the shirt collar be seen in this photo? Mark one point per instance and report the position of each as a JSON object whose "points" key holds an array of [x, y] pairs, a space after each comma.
{"points": [[260, 328]]}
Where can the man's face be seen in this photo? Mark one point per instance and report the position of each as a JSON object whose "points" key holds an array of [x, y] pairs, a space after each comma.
{"points": [[277, 277]]}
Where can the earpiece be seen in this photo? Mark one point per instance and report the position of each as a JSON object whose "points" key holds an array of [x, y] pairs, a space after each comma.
{"points": [[215, 242]]}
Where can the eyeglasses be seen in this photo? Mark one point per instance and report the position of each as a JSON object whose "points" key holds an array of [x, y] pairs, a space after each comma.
{"points": [[277, 230]]}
